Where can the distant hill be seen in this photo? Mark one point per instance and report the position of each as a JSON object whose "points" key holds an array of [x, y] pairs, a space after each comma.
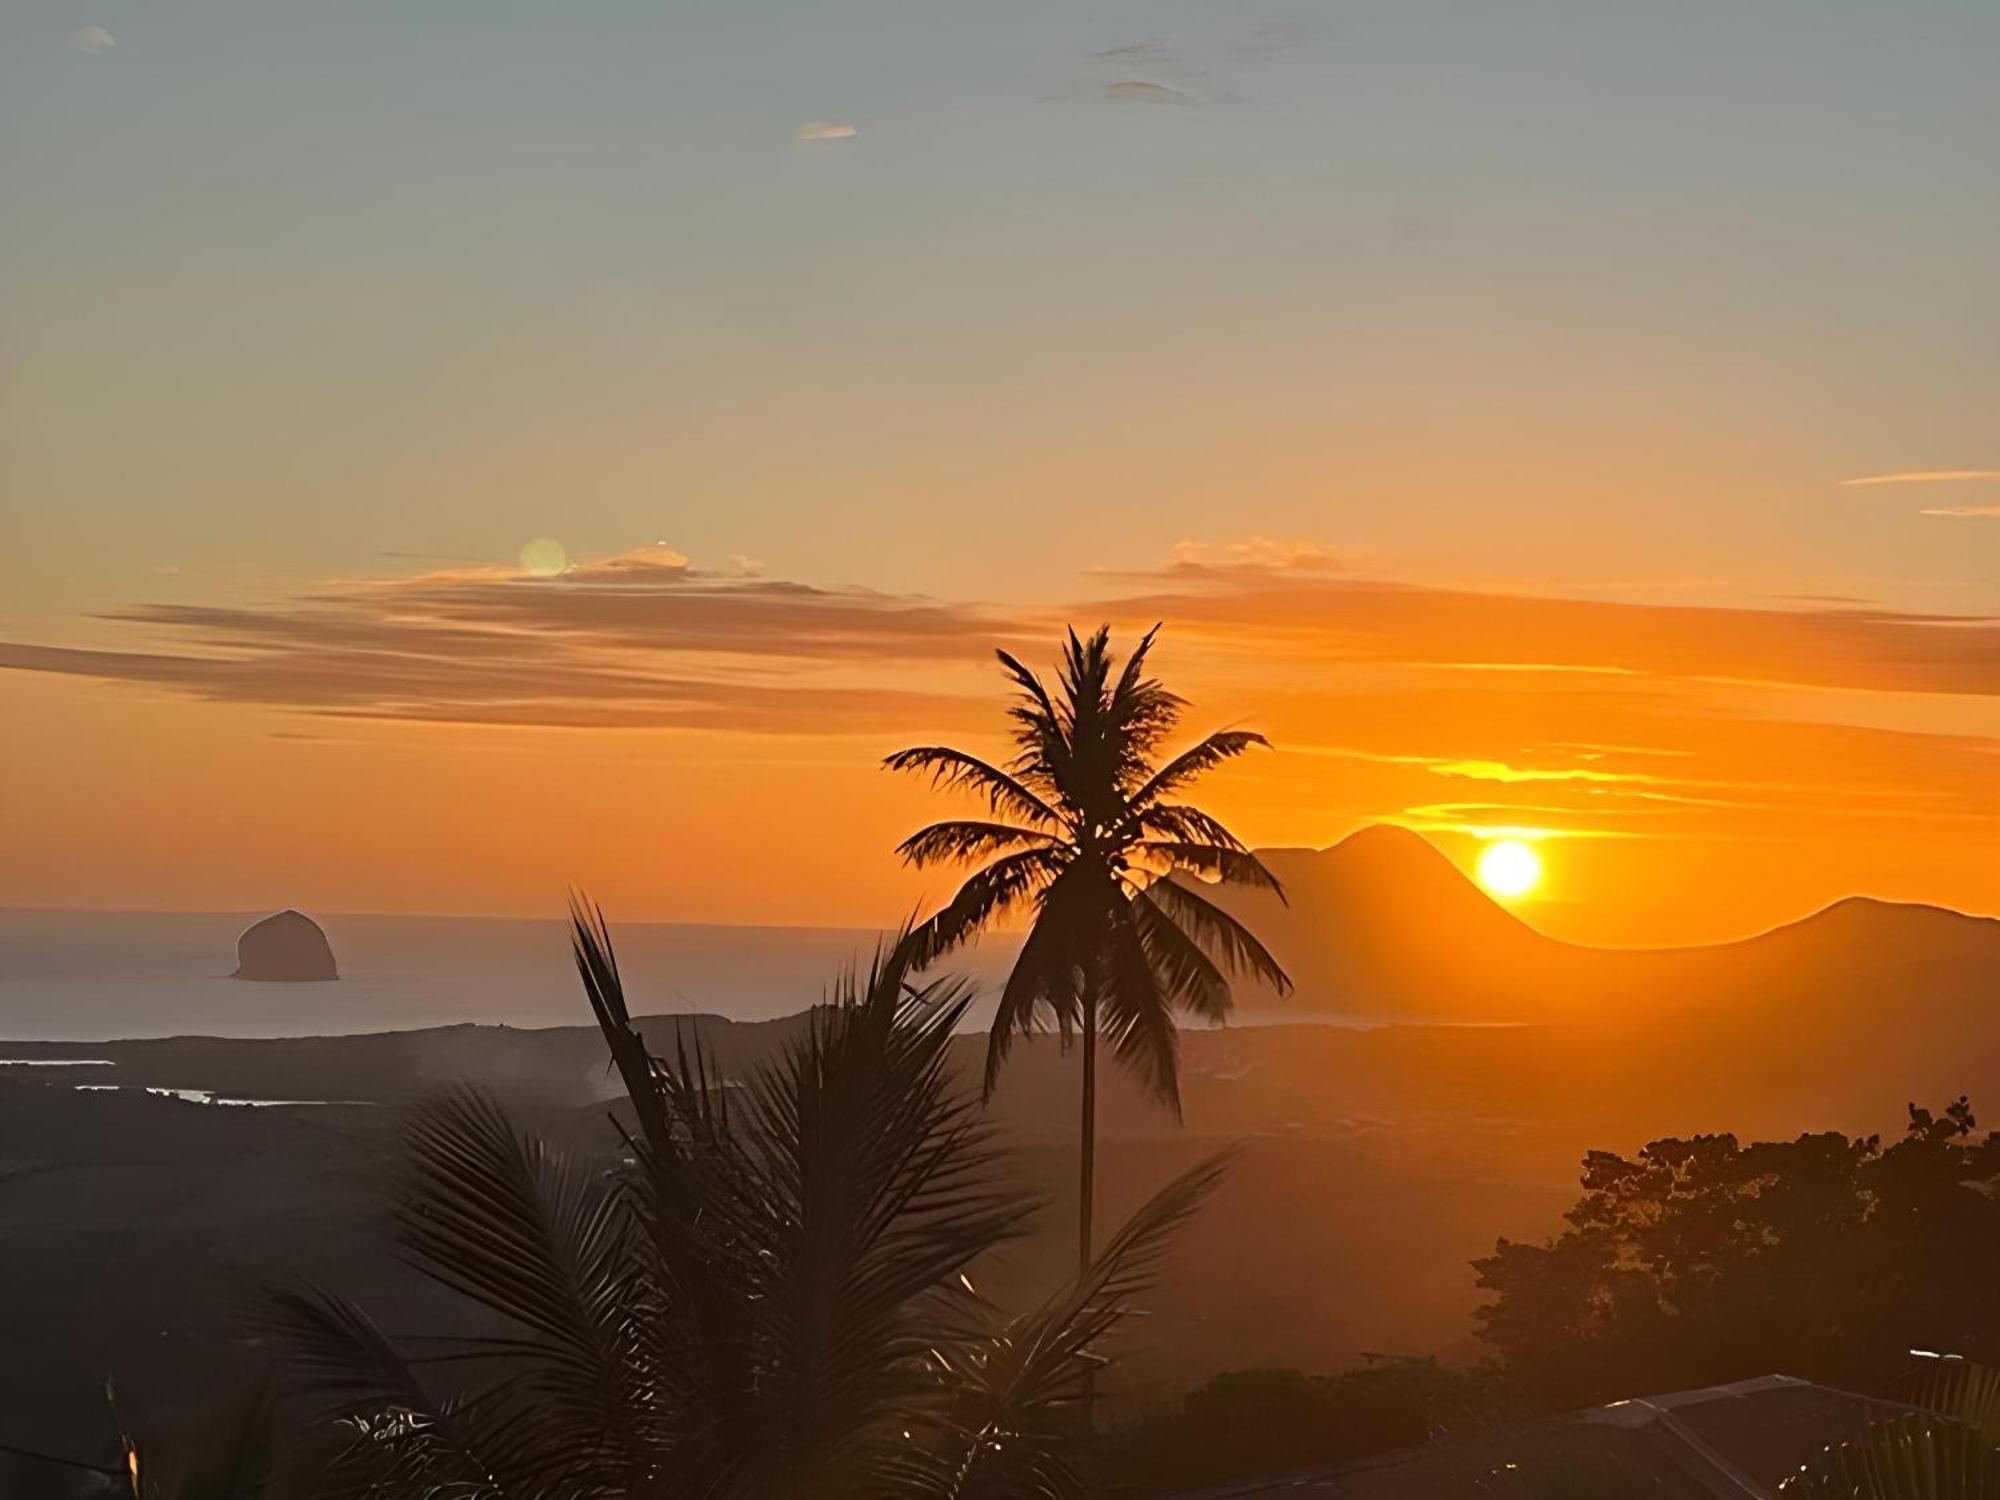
{"points": [[1382, 925]]}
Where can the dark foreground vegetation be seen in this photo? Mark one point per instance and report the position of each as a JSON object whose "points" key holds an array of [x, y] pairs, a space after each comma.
{"points": [[829, 1332], [1690, 1262], [770, 1297]]}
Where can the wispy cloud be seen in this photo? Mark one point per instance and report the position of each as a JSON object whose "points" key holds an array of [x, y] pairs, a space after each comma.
{"points": [[816, 131], [638, 640], [1938, 477], [1255, 551], [1142, 54], [1928, 476], [1305, 614], [1145, 91], [647, 639], [1500, 771], [90, 39]]}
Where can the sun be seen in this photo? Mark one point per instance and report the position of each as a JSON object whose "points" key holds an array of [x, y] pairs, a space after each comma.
{"points": [[1509, 868]]}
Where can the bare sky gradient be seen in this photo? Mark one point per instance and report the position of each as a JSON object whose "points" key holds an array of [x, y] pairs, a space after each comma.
{"points": [[1575, 418]]}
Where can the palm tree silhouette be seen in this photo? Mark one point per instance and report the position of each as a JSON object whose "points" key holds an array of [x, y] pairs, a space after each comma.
{"points": [[765, 1298], [1087, 834]]}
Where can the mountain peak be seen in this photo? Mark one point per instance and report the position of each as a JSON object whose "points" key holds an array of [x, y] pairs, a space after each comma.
{"points": [[1388, 841], [1383, 855]]}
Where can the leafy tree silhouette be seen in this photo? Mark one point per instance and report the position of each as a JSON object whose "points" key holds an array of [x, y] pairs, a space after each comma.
{"points": [[1704, 1260]]}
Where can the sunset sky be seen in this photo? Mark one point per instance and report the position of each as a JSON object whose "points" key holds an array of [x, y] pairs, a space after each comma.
{"points": [[1581, 430]]}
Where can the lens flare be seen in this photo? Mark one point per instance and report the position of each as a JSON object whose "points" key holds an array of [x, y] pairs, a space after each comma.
{"points": [[544, 558]]}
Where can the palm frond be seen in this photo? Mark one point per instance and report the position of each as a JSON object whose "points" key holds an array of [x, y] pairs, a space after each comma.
{"points": [[597, 967], [1912, 1457], [1083, 671], [1235, 947], [1041, 730], [1187, 975], [532, 1234], [1135, 1010], [693, 1203], [334, 1350], [1086, 761], [1194, 762], [959, 840], [1143, 712], [1181, 823], [951, 769], [391, 1431], [1007, 1425], [1230, 866], [1045, 984], [881, 1186], [1962, 1389], [983, 898]]}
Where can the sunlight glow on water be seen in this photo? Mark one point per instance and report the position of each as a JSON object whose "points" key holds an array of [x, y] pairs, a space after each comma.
{"points": [[209, 1096], [56, 1062]]}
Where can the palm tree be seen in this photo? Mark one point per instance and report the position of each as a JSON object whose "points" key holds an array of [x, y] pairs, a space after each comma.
{"points": [[764, 1297], [1087, 834]]}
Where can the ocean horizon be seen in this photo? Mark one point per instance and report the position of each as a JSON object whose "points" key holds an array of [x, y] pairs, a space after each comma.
{"points": [[70, 974]]}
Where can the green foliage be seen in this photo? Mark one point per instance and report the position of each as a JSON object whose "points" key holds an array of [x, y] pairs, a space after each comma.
{"points": [[1705, 1260], [1914, 1457], [767, 1300]]}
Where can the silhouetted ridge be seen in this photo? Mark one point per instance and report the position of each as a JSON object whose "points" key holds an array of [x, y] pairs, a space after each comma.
{"points": [[1872, 916], [1383, 925]]}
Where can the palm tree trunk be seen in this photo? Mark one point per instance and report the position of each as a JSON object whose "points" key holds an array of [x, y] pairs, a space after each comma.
{"points": [[1086, 1207], [1087, 1185]]}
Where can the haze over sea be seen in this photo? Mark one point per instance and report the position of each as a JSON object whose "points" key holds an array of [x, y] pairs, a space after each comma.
{"points": [[103, 975]]}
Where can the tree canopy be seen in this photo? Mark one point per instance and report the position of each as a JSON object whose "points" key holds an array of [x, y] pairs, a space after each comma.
{"points": [[1705, 1259]]}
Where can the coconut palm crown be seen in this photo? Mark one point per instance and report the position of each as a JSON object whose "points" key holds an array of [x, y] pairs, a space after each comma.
{"points": [[1086, 837]]}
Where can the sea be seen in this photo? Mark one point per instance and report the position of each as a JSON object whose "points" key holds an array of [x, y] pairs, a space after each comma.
{"points": [[112, 975]]}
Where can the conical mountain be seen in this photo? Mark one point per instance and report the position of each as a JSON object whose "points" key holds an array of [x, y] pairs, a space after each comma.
{"points": [[1382, 926]]}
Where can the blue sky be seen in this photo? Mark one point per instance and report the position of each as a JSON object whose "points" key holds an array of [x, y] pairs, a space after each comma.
{"points": [[275, 270]]}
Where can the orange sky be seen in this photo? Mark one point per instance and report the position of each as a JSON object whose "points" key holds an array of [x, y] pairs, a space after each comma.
{"points": [[1584, 427], [703, 746]]}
